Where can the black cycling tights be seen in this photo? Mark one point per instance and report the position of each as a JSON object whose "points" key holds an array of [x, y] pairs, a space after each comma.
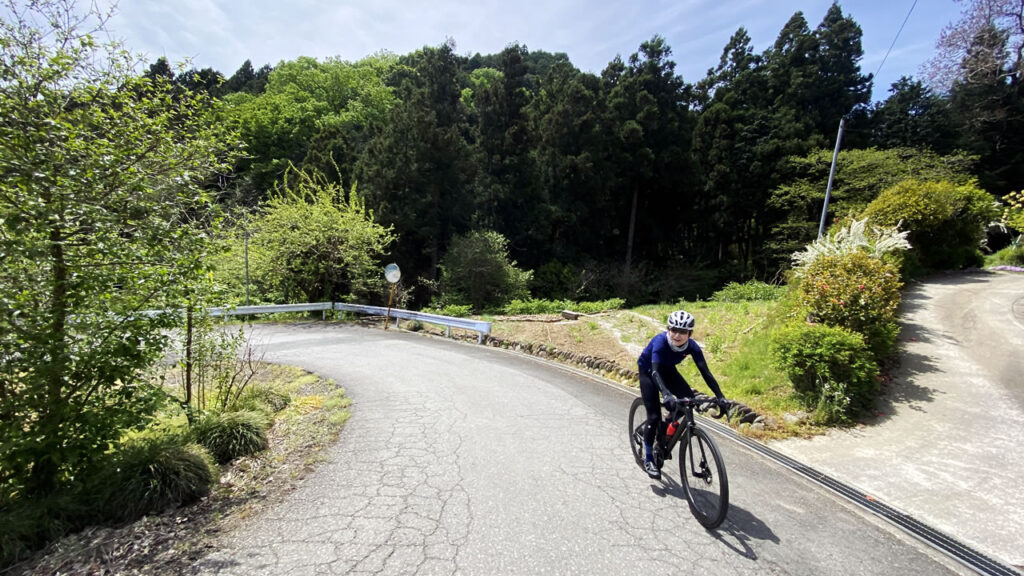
{"points": [[652, 397]]}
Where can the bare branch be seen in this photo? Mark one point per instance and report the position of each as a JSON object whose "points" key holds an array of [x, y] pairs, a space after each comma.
{"points": [[957, 39]]}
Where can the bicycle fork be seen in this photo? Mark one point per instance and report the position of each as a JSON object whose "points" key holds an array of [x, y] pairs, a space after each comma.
{"points": [[699, 462]]}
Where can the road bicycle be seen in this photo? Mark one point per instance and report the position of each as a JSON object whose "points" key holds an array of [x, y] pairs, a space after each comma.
{"points": [[701, 468]]}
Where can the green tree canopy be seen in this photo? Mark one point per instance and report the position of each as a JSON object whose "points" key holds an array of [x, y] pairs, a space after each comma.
{"points": [[861, 175], [568, 120], [246, 79], [103, 214], [310, 111], [477, 270], [418, 167], [913, 116], [506, 198], [314, 242], [650, 133]]}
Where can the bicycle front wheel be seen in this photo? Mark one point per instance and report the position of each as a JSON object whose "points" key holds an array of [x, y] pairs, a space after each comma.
{"points": [[702, 471], [637, 421]]}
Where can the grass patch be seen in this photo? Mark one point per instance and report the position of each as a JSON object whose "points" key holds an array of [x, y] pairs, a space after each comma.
{"points": [[735, 334], [542, 306], [1009, 256], [736, 337]]}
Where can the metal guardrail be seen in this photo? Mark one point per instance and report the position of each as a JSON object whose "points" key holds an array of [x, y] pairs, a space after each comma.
{"points": [[481, 328], [220, 311], [272, 309]]}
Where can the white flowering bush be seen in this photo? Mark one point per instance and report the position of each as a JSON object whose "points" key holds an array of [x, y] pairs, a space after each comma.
{"points": [[876, 241]]}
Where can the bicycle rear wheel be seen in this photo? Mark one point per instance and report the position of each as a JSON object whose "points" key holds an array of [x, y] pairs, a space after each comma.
{"points": [[637, 420], [702, 471]]}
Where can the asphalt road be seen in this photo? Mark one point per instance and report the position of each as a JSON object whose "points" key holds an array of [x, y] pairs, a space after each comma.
{"points": [[462, 459], [946, 447]]}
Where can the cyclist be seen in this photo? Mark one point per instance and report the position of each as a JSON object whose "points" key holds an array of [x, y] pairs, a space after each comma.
{"points": [[658, 374]]}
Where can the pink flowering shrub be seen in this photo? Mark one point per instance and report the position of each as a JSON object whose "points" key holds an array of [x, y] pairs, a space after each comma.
{"points": [[856, 292]]}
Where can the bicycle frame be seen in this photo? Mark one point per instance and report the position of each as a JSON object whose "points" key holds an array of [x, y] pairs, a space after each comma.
{"points": [[685, 422], [683, 417]]}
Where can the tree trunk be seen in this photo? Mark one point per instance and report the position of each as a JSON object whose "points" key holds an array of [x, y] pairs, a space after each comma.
{"points": [[632, 229], [43, 479], [189, 362]]}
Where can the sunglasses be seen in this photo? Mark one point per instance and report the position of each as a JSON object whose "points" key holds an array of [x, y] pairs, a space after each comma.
{"points": [[678, 331]]}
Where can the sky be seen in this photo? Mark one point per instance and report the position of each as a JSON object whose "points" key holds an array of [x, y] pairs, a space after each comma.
{"points": [[222, 34]]}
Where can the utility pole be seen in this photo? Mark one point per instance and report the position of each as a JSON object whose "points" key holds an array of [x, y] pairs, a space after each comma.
{"points": [[831, 176]]}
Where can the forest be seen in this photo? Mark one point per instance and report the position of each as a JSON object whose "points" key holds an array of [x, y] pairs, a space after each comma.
{"points": [[634, 183]]}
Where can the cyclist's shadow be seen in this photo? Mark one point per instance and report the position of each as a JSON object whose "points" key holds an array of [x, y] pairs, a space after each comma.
{"points": [[738, 530]]}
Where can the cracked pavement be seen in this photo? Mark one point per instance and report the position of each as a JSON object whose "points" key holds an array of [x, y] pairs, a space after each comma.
{"points": [[463, 459]]}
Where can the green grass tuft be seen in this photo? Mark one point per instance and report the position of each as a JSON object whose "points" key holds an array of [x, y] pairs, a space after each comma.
{"points": [[152, 472], [263, 399], [231, 435]]}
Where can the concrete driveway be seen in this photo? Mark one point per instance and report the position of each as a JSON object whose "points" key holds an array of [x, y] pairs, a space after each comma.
{"points": [[462, 459], [948, 444]]}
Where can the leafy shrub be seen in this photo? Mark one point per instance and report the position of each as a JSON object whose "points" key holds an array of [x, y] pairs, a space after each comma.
{"points": [[830, 367], [216, 366], [153, 472], [312, 241], [540, 306], [553, 279], [230, 435], [1009, 256], [857, 292], [748, 291], [476, 269], [598, 306], [453, 310], [535, 306], [946, 221]]}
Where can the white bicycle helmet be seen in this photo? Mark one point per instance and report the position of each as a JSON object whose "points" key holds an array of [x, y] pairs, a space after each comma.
{"points": [[681, 319]]}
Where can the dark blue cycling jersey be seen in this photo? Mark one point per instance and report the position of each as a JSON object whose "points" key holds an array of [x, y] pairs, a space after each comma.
{"points": [[659, 353]]}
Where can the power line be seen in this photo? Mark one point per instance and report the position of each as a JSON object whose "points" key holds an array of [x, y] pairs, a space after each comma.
{"points": [[842, 123], [898, 32]]}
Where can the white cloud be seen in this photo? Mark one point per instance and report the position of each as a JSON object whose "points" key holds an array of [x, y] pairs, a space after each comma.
{"points": [[223, 33]]}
